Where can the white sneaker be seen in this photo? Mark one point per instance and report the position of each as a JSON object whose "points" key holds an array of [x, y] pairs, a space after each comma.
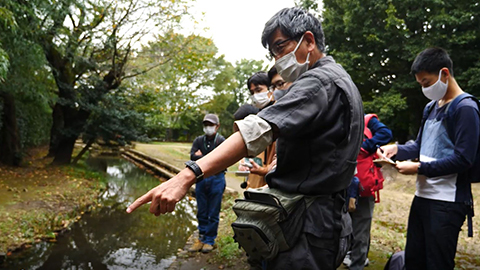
{"points": [[367, 262], [347, 261]]}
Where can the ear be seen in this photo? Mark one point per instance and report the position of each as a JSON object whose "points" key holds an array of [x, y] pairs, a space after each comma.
{"points": [[446, 72], [310, 41]]}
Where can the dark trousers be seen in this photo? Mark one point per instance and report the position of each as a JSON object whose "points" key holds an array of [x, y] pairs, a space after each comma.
{"points": [[362, 223], [432, 234], [209, 193]]}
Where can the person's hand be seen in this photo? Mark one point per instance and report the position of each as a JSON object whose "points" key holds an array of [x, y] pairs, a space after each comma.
{"points": [[165, 196], [198, 153], [407, 167], [256, 169], [242, 167], [387, 151], [272, 164]]}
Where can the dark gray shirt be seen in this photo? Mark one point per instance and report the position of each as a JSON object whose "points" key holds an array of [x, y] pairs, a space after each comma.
{"points": [[319, 125]]}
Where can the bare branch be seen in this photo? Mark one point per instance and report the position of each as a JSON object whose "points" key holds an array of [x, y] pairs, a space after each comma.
{"points": [[148, 69]]}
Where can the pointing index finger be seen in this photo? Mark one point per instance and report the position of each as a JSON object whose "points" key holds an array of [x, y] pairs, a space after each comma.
{"points": [[139, 202]]}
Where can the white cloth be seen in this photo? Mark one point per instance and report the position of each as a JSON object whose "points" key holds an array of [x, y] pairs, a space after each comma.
{"points": [[256, 133]]}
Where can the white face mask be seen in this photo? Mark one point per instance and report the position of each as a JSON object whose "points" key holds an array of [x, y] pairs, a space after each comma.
{"points": [[288, 66], [437, 90], [260, 100], [209, 130]]}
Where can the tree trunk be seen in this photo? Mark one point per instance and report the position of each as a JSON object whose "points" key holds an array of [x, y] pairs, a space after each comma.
{"points": [[73, 124], [79, 156], [63, 155], [57, 126], [9, 136]]}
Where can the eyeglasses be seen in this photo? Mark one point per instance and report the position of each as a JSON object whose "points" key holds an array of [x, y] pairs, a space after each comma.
{"points": [[278, 47], [277, 85]]}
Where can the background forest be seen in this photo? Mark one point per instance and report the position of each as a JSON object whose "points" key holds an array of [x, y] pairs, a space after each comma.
{"points": [[125, 70]]}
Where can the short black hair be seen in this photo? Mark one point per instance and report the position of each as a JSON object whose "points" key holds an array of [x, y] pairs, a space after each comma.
{"points": [[259, 78], [432, 60], [293, 23], [272, 72]]}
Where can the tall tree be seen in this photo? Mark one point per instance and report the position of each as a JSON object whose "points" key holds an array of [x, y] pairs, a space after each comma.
{"points": [[25, 92], [170, 96], [377, 41], [230, 90], [88, 45]]}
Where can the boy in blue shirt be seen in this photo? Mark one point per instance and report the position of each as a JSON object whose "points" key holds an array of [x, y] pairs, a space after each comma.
{"points": [[443, 196]]}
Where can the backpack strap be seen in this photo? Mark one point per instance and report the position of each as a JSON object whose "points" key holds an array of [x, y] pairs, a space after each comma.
{"points": [[451, 108]]}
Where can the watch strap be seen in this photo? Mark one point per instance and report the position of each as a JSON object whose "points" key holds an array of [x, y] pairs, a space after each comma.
{"points": [[192, 165]]}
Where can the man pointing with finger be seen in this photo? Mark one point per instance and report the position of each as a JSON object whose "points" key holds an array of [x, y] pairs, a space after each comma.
{"points": [[318, 125]]}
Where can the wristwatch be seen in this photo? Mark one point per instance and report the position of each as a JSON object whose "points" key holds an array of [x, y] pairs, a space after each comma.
{"points": [[192, 165]]}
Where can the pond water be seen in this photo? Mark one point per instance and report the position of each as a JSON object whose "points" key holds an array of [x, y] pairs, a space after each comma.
{"points": [[108, 238]]}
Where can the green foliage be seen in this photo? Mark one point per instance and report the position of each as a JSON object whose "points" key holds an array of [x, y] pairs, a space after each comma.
{"points": [[115, 120], [88, 46], [307, 4], [387, 106], [228, 250], [29, 81], [169, 96], [230, 90], [243, 70], [8, 21], [175, 97], [377, 41], [4, 64]]}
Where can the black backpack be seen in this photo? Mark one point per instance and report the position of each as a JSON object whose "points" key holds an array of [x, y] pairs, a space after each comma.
{"points": [[396, 261]]}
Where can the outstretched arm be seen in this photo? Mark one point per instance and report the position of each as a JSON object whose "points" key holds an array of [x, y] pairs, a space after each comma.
{"points": [[165, 196]]}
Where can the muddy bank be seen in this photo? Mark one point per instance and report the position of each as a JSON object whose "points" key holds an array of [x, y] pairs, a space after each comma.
{"points": [[38, 201]]}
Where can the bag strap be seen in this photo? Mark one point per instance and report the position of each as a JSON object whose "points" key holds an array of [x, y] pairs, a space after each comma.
{"points": [[451, 108]]}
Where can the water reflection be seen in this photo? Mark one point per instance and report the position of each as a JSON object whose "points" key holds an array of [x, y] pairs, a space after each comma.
{"points": [[108, 238]]}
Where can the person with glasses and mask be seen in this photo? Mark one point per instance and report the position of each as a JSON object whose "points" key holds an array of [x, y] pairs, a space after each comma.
{"points": [[318, 126], [208, 192], [278, 86]]}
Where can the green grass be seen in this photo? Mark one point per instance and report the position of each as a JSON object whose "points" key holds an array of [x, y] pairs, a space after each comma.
{"points": [[227, 252]]}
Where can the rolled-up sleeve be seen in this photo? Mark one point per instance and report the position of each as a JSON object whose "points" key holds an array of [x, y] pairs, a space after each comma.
{"points": [[256, 133]]}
